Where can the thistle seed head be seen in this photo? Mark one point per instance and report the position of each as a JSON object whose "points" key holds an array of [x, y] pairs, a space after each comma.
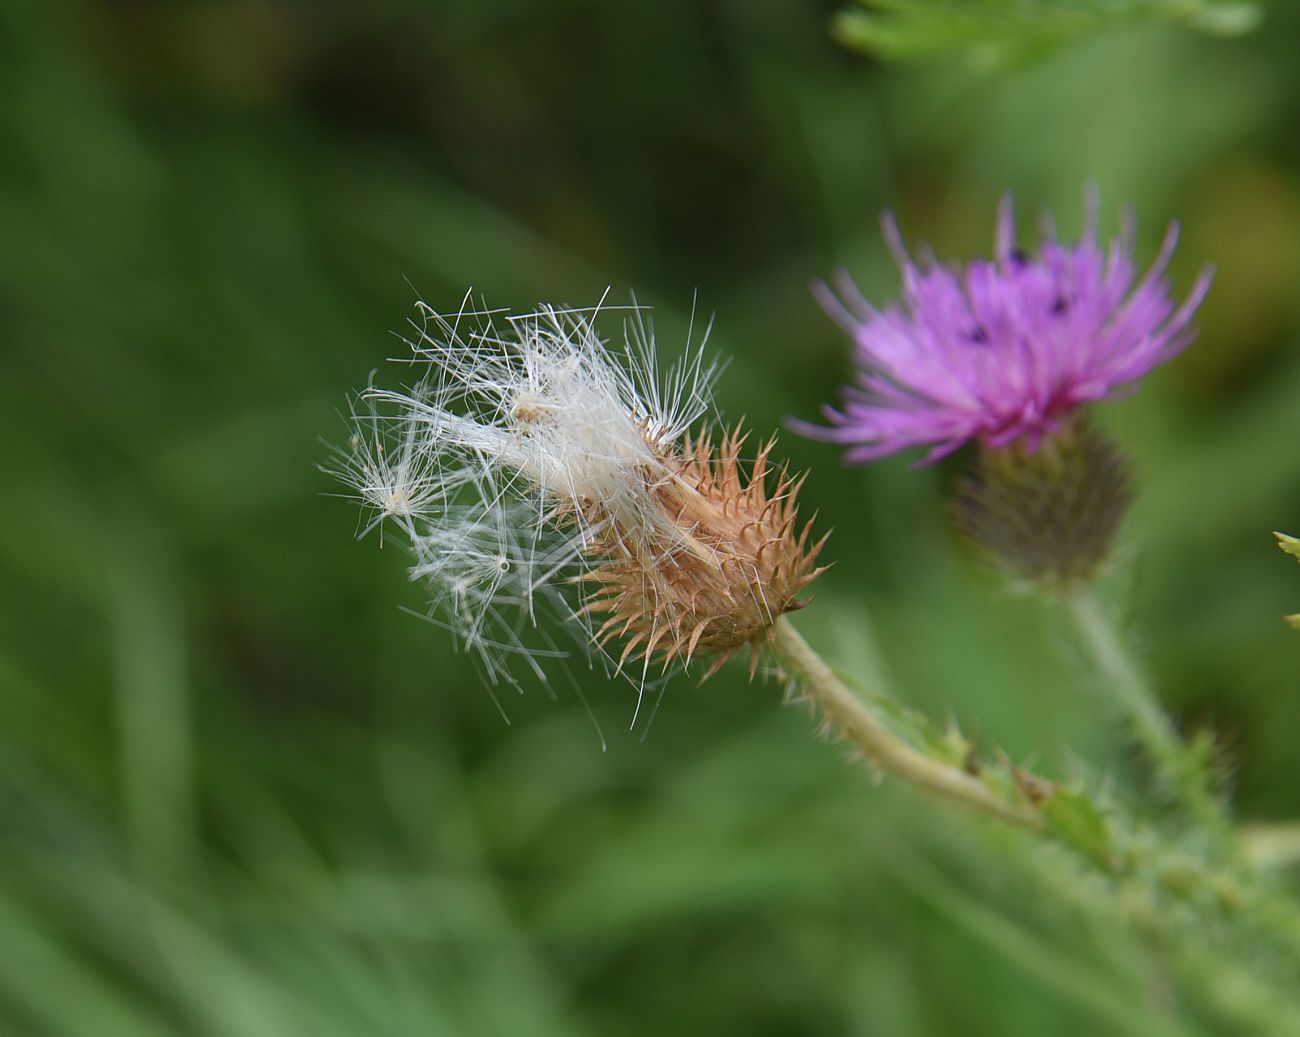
{"points": [[533, 464]]}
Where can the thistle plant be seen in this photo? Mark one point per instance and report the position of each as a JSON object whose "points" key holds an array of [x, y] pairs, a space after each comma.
{"points": [[1008, 354], [545, 478], [531, 464]]}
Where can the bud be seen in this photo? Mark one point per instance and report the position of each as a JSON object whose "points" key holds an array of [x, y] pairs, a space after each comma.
{"points": [[1049, 511]]}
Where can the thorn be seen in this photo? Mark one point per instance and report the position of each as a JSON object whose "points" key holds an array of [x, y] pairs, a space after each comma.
{"points": [[1035, 789]]}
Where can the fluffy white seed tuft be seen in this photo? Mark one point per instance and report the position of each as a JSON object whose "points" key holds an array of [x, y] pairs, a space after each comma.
{"points": [[512, 423]]}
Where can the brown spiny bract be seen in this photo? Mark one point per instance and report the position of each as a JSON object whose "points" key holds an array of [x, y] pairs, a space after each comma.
{"points": [[731, 559]]}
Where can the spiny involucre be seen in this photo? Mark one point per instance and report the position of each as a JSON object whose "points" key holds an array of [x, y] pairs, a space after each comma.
{"points": [[530, 462]]}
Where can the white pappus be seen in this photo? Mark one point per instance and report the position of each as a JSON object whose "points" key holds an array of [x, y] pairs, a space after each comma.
{"points": [[489, 462]]}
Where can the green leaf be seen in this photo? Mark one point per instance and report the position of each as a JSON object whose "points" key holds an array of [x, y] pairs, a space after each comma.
{"points": [[994, 34], [1291, 545]]}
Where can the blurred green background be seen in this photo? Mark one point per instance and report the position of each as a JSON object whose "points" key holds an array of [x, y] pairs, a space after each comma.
{"points": [[243, 793]]}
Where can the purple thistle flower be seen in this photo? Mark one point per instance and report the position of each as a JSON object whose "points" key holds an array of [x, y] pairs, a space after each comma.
{"points": [[1004, 350]]}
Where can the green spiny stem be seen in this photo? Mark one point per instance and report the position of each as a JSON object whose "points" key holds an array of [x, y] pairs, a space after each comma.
{"points": [[850, 716], [1176, 762], [1217, 932], [1171, 893]]}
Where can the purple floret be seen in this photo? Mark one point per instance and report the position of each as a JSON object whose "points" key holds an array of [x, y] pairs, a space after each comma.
{"points": [[1001, 350]]}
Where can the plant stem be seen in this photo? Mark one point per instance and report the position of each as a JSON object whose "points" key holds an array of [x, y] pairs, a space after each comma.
{"points": [[890, 753], [1175, 761], [1271, 846]]}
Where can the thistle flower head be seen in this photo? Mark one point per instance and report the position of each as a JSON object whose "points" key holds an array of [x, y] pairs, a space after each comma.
{"points": [[530, 463], [1002, 350]]}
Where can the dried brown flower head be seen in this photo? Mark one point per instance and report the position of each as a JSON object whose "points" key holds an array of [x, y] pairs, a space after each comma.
{"points": [[533, 467], [731, 560]]}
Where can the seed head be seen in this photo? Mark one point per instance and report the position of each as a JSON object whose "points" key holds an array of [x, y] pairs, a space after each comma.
{"points": [[533, 464]]}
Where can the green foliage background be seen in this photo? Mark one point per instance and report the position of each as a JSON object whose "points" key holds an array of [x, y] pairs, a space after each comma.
{"points": [[242, 793]]}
